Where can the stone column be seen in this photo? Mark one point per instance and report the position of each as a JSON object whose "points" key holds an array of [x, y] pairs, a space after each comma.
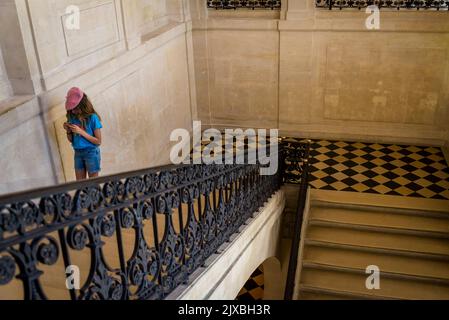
{"points": [[300, 9], [5, 87], [198, 9], [132, 19], [19, 57]]}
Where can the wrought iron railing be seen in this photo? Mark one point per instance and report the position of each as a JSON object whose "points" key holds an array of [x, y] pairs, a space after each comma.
{"points": [[140, 234], [391, 4], [295, 154], [244, 4]]}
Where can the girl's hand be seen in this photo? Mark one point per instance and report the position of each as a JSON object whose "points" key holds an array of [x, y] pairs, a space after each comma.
{"points": [[76, 129], [67, 127]]}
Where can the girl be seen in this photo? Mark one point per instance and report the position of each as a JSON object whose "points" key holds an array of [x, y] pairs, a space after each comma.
{"points": [[83, 128]]}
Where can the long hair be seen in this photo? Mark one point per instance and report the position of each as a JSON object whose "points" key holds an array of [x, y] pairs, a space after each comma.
{"points": [[87, 110]]}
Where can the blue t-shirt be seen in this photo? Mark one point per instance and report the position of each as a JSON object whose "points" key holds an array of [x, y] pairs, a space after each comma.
{"points": [[92, 123]]}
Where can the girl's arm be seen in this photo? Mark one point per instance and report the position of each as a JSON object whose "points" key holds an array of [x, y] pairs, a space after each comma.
{"points": [[96, 139]]}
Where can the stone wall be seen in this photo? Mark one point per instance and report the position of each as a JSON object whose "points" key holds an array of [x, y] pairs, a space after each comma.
{"points": [[139, 80], [322, 74], [26, 161]]}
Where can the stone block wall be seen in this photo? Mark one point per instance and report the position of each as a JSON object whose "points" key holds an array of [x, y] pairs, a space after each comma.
{"points": [[138, 78], [323, 74]]}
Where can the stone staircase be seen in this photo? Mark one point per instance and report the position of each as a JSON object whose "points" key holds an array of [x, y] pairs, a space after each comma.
{"points": [[410, 247]]}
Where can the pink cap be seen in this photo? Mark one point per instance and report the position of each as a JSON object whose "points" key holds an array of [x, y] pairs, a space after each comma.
{"points": [[74, 97]]}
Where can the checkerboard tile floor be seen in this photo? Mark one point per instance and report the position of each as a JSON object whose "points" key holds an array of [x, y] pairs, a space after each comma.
{"points": [[387, 169], [254, 287]]}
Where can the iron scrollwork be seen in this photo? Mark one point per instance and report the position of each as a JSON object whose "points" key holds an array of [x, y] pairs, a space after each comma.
{"points": [[294, 155], [174, 216], [244, 4], [437, 5]]}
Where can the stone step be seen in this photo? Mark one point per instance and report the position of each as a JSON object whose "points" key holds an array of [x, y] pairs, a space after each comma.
{"points": [[382, 238], [314, 293], [395, 286], [388, 261], [383, 218]]}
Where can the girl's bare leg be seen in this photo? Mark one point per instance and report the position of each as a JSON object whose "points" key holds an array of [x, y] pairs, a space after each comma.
{"points": [[93, 175], [80, 175]]}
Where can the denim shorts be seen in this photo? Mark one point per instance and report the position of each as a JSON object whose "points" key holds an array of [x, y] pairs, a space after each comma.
{"points": [[88, 159]]}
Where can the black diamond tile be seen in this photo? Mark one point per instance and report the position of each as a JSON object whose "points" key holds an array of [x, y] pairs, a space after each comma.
{"points": [[329, 180], [411, 177], [404, 151], [331, 162], [413, 186], [368, 157], [330, 170], [332, 147], [368, 149], [427, 161], [370, 174], [436, 188], [409, 168], [350, 164], [389, 166], [424, 153], [390, 175], [349, 156], [407, 160], [349, 172], [349, 181], [251, 284], [429, 169], [432, 178], [387, 158], [256, 273], [392, 185], [371, 183], [349, 148], [331, 154], [386, 150], [368, 165]]}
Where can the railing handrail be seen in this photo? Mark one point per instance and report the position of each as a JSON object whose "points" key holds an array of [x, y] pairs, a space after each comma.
{"points": [[38, 192], [299, 217], [43, 191], [432, 5]]}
